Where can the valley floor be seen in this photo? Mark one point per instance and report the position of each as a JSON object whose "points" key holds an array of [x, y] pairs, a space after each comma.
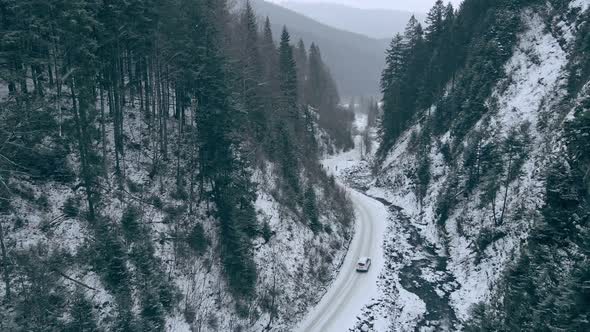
{"points": [[352, 290], [409, 286]]}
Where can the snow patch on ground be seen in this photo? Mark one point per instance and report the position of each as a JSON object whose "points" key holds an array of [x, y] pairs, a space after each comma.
{"points": [[412, 308], [582, 4], [536, 69]]}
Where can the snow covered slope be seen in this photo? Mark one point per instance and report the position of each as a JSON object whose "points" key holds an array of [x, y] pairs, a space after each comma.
{"points": [[294, 265], [439, 266]]}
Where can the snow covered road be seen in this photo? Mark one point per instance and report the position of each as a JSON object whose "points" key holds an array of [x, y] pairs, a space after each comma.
{"points": [[351, 291]]}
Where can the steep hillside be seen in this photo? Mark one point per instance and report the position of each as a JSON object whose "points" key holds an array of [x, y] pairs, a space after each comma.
{"points": [[375, 23], [484, 163], [354, 60], [159, 170]]}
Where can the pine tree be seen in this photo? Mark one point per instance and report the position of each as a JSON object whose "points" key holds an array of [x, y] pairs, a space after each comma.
{"points": [[271, 56], [434, 21], [82, 316], [288, 78], [270, 85], [322, 95], [414, 91], [391, 87], [302, 70], [413, 32], [289, 161], [316, 82], [252, 67], [81, 49], [222, 163], [448, 46], [311, 210]]}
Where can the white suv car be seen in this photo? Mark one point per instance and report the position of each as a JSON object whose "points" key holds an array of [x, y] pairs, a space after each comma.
{"points": [[363, 264]]}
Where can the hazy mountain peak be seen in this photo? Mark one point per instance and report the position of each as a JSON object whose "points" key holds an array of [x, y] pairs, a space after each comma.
{"points": [[404, 5], [372, 22], [342, 50]]}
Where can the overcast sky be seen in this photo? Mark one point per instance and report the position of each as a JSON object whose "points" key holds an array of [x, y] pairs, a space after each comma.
{"points": [[408, 5]]}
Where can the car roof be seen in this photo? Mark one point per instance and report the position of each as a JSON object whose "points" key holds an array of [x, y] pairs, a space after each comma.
{"points": [[363, 259]]}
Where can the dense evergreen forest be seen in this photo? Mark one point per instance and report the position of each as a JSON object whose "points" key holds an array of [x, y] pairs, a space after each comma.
{"points": [[422, 60], [438, 84], [214, 99]]}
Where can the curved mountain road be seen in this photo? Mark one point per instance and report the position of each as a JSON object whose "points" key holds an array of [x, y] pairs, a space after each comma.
{"points": [[351, 291]]}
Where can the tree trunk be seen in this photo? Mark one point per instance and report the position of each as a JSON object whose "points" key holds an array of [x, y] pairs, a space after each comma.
{"points": [[81, 124], [166, 109], [159, 97], [113, 110], [120, 65], [494, 211], [131, 79], [120, 123], [103, 134], [139, 76], [507, 185], [35, 82], [58, 98], [178, 103], [5, 264]]}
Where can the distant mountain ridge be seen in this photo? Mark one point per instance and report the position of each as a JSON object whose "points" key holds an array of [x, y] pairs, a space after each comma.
{"points": [[374, 23], [355, 60]]}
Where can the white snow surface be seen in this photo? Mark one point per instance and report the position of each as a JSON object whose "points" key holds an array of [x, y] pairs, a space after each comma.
{"points": [[537, 70], [582, 4]]}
